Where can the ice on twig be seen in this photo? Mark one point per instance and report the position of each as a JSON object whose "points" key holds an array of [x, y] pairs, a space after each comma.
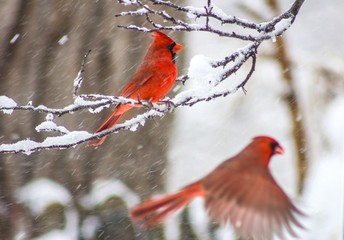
{"points": [[49, 117], [77, 83], [79, 101], [6, 103], [141, 11], [194, 12], [50, 126], [128, 2], [28, 146], [280, 27], [69, 138], [219, 12]]}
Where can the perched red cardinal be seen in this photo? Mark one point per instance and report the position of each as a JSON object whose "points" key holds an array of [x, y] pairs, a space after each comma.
{"points": [[152, 81], [240, 190]]}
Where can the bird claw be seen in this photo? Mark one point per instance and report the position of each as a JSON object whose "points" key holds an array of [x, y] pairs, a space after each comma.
{"points": [[169, 103], [147, 104]]}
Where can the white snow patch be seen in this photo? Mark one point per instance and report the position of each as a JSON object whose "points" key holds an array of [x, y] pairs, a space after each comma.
{"points": [[199, 218], [55, 235], [77, 83], [49, 117], [141, 11], [104, 189], [28, 146], [41, 193], [133, 124], [225, 232], [67, 139], [89, 227], [194, 11], [6, 102], [219, 12], [79, 101], [49, 126], [144, 29], [172, 227], [133, 127], [280, 27], [128, 2], [194, 26], [323, 193], [201, 70], [202, 76], [324, 186]]}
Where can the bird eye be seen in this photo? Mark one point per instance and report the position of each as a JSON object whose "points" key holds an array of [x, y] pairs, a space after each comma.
{"points": [[273, 146], [276, 148], [171, 46]]}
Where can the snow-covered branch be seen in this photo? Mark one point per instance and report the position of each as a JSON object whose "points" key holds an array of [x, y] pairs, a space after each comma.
{"points": [[211, 72], [207, 72], [256, 32], [263, 31], [67, 139]]}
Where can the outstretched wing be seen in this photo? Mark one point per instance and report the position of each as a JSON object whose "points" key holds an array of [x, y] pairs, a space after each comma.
{"points": [[253, 202]]}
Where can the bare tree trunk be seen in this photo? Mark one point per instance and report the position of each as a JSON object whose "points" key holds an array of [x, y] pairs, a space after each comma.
{"points": [[298, 129]]}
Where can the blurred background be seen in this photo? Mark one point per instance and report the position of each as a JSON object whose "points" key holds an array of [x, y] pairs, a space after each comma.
{"points": [[296, 95]]}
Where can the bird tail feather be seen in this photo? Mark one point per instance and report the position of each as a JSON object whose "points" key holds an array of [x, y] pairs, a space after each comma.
{"points": [[155, 211], [109, 123]]}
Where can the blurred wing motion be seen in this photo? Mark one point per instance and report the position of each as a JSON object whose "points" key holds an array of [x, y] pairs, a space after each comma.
{"points": [[252, 202]]}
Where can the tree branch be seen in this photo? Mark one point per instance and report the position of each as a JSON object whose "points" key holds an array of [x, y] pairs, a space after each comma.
{"points": [[80, 77], [219, 71], [264, 31]]}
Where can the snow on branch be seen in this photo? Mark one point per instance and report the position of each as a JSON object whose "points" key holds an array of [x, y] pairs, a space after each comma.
{"points": [[264, 31], [207, 72]]}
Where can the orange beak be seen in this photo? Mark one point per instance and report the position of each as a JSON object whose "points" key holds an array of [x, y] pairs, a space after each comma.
{"points": [[279, 150], [177, 48]]}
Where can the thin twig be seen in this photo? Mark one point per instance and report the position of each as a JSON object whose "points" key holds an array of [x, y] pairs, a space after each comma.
{"points": [[80, 77]]}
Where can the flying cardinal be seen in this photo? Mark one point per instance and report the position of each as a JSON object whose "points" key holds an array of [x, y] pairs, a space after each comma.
{"points": [[241, 191], [152, 81]]}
